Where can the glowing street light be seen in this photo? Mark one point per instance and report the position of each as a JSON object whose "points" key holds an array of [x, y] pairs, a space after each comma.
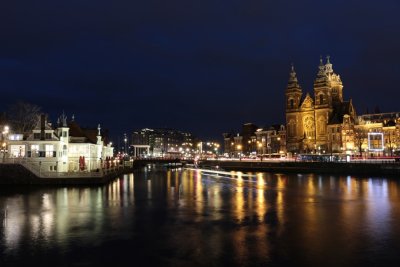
{"points": [[5, 132], [125, 140], [239, 148]]}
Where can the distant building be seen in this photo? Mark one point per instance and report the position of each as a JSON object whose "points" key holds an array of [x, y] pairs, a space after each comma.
{"points": [[271, 140], [162, 142], [207, 149], [253, 140]]}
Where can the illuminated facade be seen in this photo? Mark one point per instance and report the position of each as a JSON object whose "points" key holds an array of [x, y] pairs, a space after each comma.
{"points": [[164, 142], [314, 123], [325, 123], [67, 148], [377, 134], [254, 141]]}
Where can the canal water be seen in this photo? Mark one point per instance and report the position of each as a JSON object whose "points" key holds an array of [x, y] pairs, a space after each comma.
{"points": [[160, 217]]}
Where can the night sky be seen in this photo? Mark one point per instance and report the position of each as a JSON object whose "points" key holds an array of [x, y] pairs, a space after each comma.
{"points": [[203, 66]]}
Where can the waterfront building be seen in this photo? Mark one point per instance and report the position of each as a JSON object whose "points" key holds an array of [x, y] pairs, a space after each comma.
{"points": [[253, 140], [162, 142], [207, 149], [326, 124], [66, 148], [377, 134], [271, 141], [313, 122]]}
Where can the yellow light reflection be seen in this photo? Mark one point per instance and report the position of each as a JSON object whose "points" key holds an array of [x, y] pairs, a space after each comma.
{"points": [[239, 198], [261, 208], [199, 203]]}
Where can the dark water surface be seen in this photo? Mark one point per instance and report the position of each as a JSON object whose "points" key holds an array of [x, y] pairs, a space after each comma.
{"points": [[157, 217]]}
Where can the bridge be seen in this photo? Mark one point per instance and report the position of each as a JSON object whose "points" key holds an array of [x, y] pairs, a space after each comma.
{"points": [[164, 161]]}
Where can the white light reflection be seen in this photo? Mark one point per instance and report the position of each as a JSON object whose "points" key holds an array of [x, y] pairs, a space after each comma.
{"points": [[378, 209], [149, 189]]}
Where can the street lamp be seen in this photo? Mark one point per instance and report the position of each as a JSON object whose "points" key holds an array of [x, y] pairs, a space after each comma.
{"points": [[239, 148], [125, 140], [260, 150], [4, 134]]}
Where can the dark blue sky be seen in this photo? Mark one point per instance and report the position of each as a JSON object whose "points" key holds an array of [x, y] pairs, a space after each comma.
{"points": [[204, 66]]}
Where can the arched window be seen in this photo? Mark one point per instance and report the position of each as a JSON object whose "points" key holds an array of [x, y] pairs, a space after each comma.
{"points": [[309, 127], [291, 103], [321, 99], [322, 125], [291, 129]]}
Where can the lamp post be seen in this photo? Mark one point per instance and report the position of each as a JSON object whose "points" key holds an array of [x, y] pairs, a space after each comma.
{"points": [[239, 148], [216, 149], [125, 140], [3, 150], [4, 134]]}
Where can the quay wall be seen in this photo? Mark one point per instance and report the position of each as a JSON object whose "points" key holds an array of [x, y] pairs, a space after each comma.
{"points": [[346, 168], [16, 174]]}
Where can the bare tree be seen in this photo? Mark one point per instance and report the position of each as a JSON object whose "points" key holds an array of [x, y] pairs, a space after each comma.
{"points": [[23, 116], [359, 138]]}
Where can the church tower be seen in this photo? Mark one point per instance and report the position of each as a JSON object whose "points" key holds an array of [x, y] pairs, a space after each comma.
{"points": [[323, 103], [294, 94], [322, 92], [312, 122], [335, 83]]}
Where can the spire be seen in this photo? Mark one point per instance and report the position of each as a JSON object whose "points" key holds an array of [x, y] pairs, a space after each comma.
{"points": [[293, 82], [321, 68], [328, 65], [292, 77], [99, 142], [73, 117], [64, 120]]}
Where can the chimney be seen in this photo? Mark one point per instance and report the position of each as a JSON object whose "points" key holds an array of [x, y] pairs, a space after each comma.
{"points": [[42, 126]]}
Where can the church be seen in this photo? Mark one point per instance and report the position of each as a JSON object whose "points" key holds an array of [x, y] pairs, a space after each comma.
{"points": [[314, 124]]}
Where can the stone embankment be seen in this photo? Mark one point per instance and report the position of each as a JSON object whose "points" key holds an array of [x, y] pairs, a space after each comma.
{"points": [[17, 174], [346, 168]]}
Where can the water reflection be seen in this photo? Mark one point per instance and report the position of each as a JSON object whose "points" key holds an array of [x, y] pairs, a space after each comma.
{"points": [[228, 218]]}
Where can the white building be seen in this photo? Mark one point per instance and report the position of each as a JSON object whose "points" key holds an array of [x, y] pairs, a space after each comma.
{"points": [[67, 148]]}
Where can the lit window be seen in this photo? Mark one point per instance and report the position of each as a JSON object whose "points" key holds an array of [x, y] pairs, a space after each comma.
{"points": [[49, 151]]}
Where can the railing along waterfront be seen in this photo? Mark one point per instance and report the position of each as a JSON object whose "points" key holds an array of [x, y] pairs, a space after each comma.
{"points": [[36, 170], [367, 160]]}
